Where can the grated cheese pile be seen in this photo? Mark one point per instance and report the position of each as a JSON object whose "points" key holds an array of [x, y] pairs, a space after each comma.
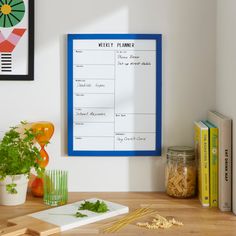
{"points": [[159, 222]]}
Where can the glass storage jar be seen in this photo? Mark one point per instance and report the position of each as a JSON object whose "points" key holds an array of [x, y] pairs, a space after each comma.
{"points": [[181, 172]]}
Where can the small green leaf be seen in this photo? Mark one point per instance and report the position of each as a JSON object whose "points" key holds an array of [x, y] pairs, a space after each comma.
{"points": [[80, 215], [11, 188], [24, 122]]}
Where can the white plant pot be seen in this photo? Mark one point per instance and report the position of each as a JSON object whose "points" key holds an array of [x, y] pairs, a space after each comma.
{"points": [[8, 199]]}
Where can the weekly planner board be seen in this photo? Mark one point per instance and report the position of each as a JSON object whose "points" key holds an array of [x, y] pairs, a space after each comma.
{"points": [[114, 94]]}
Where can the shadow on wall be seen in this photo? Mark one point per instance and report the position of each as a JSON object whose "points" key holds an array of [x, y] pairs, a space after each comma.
{"points": [[145, 173], [81, 20], [78, 21]]}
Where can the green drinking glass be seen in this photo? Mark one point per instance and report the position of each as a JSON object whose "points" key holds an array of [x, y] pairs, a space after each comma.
{"points": [[55, 187]]}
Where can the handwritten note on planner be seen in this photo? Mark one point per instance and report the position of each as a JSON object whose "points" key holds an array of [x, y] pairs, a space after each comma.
{"points": [[114, 95]]}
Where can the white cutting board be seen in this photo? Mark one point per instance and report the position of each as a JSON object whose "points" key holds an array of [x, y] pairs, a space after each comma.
{"points": [[64, 218]]}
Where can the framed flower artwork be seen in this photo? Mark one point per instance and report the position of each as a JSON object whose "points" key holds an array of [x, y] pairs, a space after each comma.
{"points": [[17, 40]]}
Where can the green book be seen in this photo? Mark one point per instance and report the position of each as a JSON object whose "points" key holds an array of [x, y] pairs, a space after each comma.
{"points": [[213, 163], [201, 132]]}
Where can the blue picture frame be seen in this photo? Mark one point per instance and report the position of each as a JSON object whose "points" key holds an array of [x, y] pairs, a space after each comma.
{"points": [[158, 39]]}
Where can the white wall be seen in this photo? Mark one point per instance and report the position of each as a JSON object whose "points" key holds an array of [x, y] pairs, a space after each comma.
{"points": [[188, 28], [226, 68]]}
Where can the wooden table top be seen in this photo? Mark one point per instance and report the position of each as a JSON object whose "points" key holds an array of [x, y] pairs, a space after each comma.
{"points": [[196, 219]]}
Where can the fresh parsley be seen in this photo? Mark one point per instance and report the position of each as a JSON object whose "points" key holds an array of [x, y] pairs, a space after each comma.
{"points": [[18, 154], [98, 206], [80, 215]]}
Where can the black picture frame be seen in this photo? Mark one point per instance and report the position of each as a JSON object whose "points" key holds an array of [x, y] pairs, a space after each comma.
{"points": [[30, 75]]}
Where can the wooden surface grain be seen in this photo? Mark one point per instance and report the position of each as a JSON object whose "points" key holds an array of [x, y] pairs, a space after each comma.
{"points": [[197, 220]]}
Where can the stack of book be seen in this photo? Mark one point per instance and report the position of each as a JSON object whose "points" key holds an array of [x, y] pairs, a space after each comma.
{"points": [[214, 156]]}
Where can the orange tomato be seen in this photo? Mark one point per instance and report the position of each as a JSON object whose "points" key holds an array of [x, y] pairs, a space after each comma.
{"points": [[37, 187]]}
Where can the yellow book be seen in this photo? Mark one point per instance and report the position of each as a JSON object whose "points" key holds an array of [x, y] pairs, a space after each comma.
{"points": [[213, 162], [202, 153]]}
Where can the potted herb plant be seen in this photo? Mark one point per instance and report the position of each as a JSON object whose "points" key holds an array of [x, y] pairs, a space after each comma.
{"points": [[18, 155]]}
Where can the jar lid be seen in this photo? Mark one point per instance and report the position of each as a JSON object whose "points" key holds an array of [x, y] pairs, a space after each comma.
{"points": [[181, 152]]}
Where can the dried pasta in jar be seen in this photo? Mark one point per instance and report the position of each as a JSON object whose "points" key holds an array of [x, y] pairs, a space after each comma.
{"points": [[181, 172]]}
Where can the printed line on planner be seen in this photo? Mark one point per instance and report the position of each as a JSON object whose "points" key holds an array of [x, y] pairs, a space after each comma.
{"points": [[120, 49], [93, 64], [135, 113], [84, 122], [96, 107], [94, 136], [114, 143], [93, 78], [91, 93], [122, 133]]}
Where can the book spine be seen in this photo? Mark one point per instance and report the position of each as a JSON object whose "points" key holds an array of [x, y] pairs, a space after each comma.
{"points": [[213, 167], [225, 162], [197, 143], [205, 167]]}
